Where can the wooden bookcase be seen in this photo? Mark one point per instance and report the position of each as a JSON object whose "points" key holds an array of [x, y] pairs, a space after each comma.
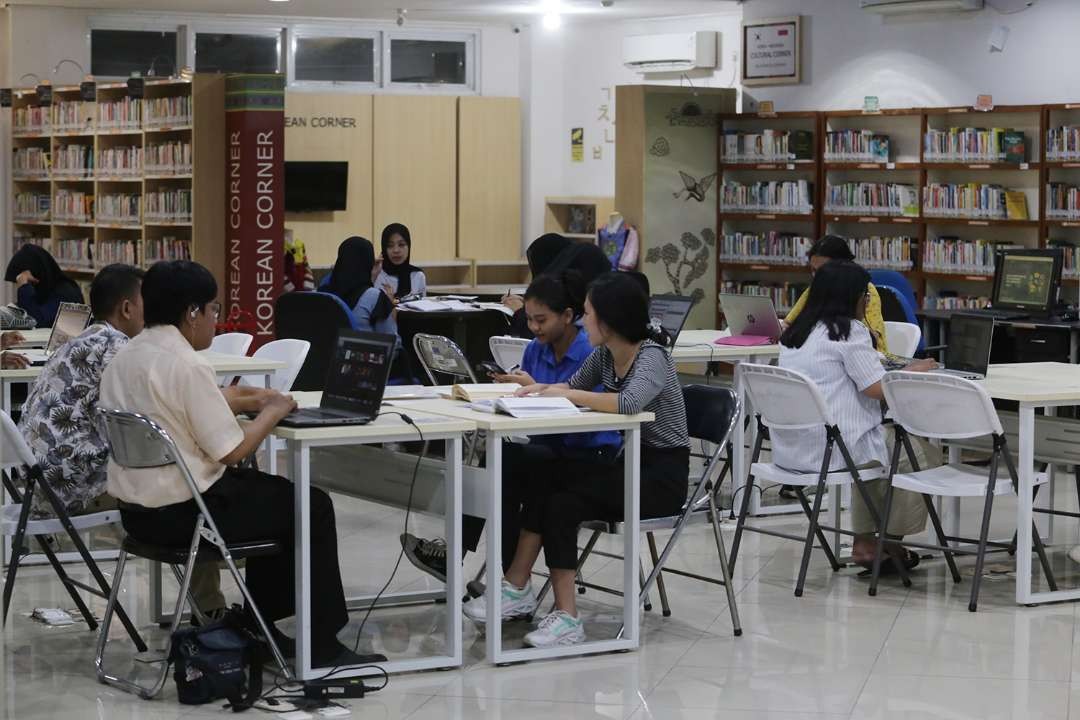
{"points": [[103, 166], [592, 213]]}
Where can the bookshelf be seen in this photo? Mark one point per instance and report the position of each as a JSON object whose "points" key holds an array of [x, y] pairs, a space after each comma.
{"points": [[929, 192], [121, 178], [577, 218]]}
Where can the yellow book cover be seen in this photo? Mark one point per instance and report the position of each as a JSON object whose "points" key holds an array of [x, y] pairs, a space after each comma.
{"points": [[1016, 205]]}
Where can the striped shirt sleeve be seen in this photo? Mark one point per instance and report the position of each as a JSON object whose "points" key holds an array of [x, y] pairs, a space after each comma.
{"points": [[861, 362], [591, 372], [645, 382]]}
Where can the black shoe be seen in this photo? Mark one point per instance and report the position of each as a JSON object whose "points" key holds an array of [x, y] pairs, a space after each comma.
{"points": [[285, 644], [340, 656], [426, 555]]}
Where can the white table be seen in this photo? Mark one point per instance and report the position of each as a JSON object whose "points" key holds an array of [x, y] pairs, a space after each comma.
{"points": [[386, 428], [35, 338], [486, 501]]}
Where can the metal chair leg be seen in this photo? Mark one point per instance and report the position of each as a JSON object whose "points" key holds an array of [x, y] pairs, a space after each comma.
{"points": [[722, 554], [879, 551], [664, 606], [942, 541], [808, 544], [984, 531], [645, 599]]}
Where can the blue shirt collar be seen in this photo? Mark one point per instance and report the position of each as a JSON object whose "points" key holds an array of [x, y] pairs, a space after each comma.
{"points": [[576, 353]]}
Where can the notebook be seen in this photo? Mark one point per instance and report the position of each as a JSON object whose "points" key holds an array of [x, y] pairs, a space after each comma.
{"points": [[480, 391]]}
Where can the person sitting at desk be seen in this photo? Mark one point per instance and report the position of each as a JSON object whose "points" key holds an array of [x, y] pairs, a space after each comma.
{"points": [[553, 254], [353, 280], [41, 284], [638, 375], [396, 273], [159, 373], [829, 343], [554, 307]]}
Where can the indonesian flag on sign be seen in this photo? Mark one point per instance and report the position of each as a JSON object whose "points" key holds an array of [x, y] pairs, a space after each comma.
{"points": [[782, 32]]}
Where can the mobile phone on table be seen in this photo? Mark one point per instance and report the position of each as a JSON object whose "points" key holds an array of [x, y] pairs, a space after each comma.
{"points": [[491, 368]]}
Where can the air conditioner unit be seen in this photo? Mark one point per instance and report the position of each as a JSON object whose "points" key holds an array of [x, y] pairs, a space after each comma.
{"points": [[901, 7], [674, 52]]}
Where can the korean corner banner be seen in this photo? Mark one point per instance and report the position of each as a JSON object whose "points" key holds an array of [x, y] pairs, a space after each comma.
{"points": [[255, 217]]}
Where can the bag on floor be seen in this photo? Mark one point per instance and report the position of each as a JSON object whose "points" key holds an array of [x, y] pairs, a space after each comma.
{"points": [[220, 661]]}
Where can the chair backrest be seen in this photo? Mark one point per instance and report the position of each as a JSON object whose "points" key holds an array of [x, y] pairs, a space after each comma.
{"points": [[507, 351], [316, 317], [896, 280], [711, 412], [938, 405], [291, 351], [233, 343], [14, 452], [442, 359], [783, 398], [903, 338]]}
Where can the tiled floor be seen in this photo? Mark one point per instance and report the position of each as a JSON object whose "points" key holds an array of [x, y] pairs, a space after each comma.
{"points": [[835, 653]]}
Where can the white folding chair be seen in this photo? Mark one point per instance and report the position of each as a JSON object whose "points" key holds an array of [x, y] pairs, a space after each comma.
{"points": [[902, 338], [442, 359], [947, 407], [233, 343], [293, 353], [15, 522], [136, 441], [784, 399], [507, 351]]}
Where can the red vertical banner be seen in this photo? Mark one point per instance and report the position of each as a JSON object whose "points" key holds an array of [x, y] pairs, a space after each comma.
{"points": [[255, 212]]}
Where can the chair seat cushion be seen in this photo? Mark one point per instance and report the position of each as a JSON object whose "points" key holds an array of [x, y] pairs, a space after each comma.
{"points": [[776, 474], [957, 481], [207, 552]]}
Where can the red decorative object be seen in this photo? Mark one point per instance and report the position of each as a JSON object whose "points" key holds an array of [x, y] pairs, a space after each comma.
{"points": [[238, 321]]}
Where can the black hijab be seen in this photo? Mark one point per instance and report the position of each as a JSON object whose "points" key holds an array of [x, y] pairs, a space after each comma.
{"points": [[50, 278], [543, 251], [554, 254], [351, 275], [404, 271]]}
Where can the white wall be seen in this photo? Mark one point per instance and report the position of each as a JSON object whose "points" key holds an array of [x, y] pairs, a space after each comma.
{"points": [[564, 76], [928, 60]]}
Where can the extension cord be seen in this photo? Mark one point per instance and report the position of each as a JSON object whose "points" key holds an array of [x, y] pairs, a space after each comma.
{"points": [[334, 689]]}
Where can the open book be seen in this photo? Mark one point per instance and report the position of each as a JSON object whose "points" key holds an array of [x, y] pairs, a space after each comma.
{"points": [[533, 406], [482, 391]]}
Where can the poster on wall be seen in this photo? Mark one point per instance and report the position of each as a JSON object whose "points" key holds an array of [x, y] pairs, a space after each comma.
{"points": [[255, 216], [771, 51], [577, 144]]}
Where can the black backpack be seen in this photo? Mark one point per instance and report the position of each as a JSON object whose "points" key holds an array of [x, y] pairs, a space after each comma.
{"points": [[220, 660]]}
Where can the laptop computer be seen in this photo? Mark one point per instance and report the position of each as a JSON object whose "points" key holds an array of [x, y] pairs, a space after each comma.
{"points": [[669, 313], [71, 320], [355, 382], [751, 316], [1026, 283], [968, 351]]}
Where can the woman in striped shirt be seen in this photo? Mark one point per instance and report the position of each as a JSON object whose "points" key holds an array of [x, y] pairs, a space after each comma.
{"points": [[638, 375], [829, 343]]}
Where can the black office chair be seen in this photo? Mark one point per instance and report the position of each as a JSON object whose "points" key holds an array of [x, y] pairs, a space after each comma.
{"points": [[316, 317]]}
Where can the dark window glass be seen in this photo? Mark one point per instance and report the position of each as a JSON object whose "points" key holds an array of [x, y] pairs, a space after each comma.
{"points": [[427, 61], [226, 52], [335, 59], [118, 53]]}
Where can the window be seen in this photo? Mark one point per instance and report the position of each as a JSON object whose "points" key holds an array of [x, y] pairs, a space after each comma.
{"points": [[119, 53], [230, 52], [430, 62], [334, 59]]}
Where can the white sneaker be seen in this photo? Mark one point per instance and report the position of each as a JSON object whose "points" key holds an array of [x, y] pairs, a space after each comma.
{"points": [[516, 603], [1074, 554], [556, 629]]}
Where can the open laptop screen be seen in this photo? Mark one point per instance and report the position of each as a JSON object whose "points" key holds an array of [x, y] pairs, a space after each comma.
{"points": [[970, 337], [71, 320], [670, 313], [358, 372]]}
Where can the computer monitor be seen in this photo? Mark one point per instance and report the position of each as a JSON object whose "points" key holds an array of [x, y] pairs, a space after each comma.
{"points": [[1027, 280]]}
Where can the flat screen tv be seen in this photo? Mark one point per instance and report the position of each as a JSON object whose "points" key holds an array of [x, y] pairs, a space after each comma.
{"points": [[316, 186]]}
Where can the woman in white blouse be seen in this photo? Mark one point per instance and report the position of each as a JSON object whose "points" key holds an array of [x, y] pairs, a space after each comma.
{"points": [[829, 343]]}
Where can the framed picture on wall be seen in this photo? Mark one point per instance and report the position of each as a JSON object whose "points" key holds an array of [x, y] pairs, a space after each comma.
{"points": [[771, 51]]}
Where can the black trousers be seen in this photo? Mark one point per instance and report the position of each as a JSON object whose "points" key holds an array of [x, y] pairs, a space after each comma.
{"points": [[561, 497], [250, 505]]}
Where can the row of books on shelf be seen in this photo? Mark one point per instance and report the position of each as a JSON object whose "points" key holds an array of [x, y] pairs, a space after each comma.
{"points": [[167, 111], [784, 295], [153, 113], [974, 200], [122, 208], [955, 301], [1062, 201], [167, 206], [773, 248], [30, 119], [778, 196], [73, 252], [973, 144], [73, 160], [31, 206], [168, 158], [73, 206], [83, 254], [767, 145], [18, 239], [891, 253], [856, 146], [166, 247], [72, 116], [30, 162], [1063, 143], [870, 198], [950, 254], [1070, 254], [122, 161]]}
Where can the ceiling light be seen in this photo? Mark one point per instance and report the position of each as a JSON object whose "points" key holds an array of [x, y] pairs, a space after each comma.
{"points": [[552, 21]]}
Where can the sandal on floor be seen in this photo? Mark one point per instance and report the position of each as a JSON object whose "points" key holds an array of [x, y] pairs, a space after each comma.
{"points": [[888, 564]]}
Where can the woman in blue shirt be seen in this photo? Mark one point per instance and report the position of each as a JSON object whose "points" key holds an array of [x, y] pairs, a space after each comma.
{"points": [[352, 280], [554, 306]]}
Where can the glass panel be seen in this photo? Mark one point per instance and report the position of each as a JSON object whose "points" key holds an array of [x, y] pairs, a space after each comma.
{"points": [[118, 53], [227, 52], [335, 59], [428, 61]]}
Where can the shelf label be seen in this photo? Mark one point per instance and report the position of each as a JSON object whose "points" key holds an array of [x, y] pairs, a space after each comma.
{"points": [[982, 223], [870, 104], [759, 267], [1025, 166], [984, 103], [976, 278], [981, 166], [957, 110], [766, 108], [88, 90], [1072, 106], [44, 95], [1070, 165], [1070, 224], [867, 219], [791, 166], [868, 166], [766, 166], [765, 217], [890, 166]]}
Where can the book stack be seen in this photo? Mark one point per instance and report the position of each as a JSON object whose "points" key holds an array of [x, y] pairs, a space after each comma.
{"points": [[74, 253], [166, 247], [1062, 201], [767, 146], [891, 253], [19, 239], [784, 295], [30, 162], [73, 161], [68, 117], [118, 208], [1069, 254], [772, 248], [856, 146], [30, 120], [32, 206], [870, 198], [107, 252], [168, 206], [120, 161], [1063, 143], [773, 196], [974, 145], [969, 200], [954, 301], [950, 254], [122, 114], [168, 158], [73, 206], [168, 111]]}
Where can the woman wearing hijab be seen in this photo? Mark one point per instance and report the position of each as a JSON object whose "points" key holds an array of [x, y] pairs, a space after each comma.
{"points": [[398, 274], [41, 284], [352, 281]]}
